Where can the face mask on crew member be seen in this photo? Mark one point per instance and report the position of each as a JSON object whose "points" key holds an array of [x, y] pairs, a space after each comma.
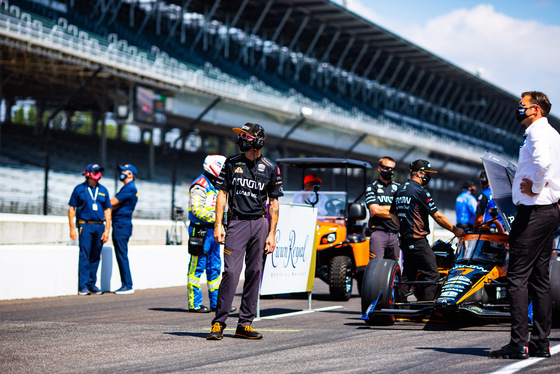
{"points": [[386, 174], [426, 179], [244, 144], [95, 175], [122, 176], [521, 115]]}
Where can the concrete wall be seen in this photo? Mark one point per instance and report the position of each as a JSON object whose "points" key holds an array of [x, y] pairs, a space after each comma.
{"points": [[16, 229], [28, 271]]}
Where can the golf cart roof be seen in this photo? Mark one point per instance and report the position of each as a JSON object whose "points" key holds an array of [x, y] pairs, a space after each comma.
{"points": [[323, 162]]}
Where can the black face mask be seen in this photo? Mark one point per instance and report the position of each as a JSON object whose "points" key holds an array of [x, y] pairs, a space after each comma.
{"points": [[244, 145], [426, 179], [122, 176], [386, 174], [520, 116]]}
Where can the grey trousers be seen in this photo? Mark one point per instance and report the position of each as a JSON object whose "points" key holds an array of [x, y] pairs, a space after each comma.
{"points": [[244, 240], [385, 245]]}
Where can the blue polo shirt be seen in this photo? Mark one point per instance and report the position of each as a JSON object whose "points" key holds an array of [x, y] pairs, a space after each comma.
{"points": [[84, 197], [128, 197]]}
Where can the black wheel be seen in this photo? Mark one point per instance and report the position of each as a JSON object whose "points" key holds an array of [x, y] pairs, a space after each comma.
{"points": [[340, 278], [380, 280], [555, 290]]}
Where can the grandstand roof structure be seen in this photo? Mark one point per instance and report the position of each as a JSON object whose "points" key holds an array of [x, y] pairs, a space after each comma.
{"points": [[372, 90], [341, 56]]}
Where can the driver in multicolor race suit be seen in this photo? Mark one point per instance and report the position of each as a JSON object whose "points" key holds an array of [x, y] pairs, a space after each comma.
{"points": [[202, 215]]}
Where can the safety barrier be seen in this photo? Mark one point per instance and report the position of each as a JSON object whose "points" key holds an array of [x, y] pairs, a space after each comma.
{"points": [[29, 271]]}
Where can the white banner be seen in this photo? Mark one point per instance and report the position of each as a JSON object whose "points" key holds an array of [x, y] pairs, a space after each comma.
{"points": [[291, 267]]}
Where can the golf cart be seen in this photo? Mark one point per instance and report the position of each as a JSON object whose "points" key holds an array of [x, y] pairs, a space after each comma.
{"points": [[342, 232]]}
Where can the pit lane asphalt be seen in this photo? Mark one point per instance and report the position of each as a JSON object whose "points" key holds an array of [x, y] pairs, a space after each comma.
{"points": [[151, 332]]}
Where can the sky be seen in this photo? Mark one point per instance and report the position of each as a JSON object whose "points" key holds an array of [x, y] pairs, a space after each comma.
{"points": [[515, 45]]}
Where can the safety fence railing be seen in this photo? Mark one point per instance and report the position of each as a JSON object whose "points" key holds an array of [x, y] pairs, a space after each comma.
{"points": [[61, 38]]}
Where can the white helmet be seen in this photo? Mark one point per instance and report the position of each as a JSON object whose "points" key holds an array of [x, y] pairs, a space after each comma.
{"points": [[213, 164]]}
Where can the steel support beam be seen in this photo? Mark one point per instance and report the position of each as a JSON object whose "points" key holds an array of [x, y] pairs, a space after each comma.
{"points": [[417, 82], [383, 70], [298, 33], [179, 20], [371, 63], [105, 9], [331, 45], [315, 39], [426, 86], [115, 12], [406, 78], [147, 17], [290, 131], [206, 21], [355, 144], [358, 59], [395, 73], [280, 27], [243, 53], [345, 52]]}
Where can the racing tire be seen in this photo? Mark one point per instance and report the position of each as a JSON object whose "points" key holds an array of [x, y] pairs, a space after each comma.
{"points": [[380, 277], [340, 278], [555, 291]]}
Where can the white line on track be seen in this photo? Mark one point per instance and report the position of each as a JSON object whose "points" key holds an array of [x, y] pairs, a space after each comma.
{"points": [[276, 316], [522, 364]]}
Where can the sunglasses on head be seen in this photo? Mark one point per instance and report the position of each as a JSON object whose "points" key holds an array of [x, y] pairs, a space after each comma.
{"points": [[245, 136]]}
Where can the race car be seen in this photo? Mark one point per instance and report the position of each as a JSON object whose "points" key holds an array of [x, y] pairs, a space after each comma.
{"points": [[472, 278], [472, 282]]}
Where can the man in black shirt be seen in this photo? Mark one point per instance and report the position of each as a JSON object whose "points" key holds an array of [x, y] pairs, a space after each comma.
{"points": [[384, 242], [246, 181], [411, 208]]}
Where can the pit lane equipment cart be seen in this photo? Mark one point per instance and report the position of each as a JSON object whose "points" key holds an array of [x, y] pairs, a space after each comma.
{"points": [[342, 238]]}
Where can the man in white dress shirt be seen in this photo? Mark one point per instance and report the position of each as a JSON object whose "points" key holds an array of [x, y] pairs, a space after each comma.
{"points": [[535, 191]]}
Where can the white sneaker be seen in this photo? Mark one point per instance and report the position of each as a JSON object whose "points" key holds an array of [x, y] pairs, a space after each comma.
{"points": [[124, 291]]}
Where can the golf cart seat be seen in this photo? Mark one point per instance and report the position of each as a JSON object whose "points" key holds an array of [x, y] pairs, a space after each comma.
{"points": [[356, 231]]}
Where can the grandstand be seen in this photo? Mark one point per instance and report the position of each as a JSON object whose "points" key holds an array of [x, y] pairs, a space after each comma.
{"points": [[320, 79]]}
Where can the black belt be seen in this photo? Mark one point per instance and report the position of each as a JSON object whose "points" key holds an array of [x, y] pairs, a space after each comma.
{"points": [[204, 226], [97, 222], [387, 231], [245, 217], [537, 207]]}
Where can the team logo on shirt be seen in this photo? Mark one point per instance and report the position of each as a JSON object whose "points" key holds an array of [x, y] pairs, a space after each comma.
{"points": [[393, 187], [261, 167], [239, 170]]}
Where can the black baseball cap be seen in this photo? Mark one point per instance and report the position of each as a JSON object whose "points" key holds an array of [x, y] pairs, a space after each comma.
{"points": [[252, 129], [421, 165]]}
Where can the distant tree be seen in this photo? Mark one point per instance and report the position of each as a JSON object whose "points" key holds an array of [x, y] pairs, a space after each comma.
{"points": [[18, 117], [31, 116], [82, 122]]}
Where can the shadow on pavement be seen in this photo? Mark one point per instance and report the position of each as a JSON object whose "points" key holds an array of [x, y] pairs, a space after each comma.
{"points": [[193, 334], [482, 352]]}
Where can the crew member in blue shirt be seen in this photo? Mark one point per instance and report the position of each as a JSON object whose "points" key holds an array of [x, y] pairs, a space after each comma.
{"points": [[485, 203], [465, 206], [123, 204], [90, 210]]}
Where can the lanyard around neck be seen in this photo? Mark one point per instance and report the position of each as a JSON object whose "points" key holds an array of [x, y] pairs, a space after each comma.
{"points": [[94, 198]]}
